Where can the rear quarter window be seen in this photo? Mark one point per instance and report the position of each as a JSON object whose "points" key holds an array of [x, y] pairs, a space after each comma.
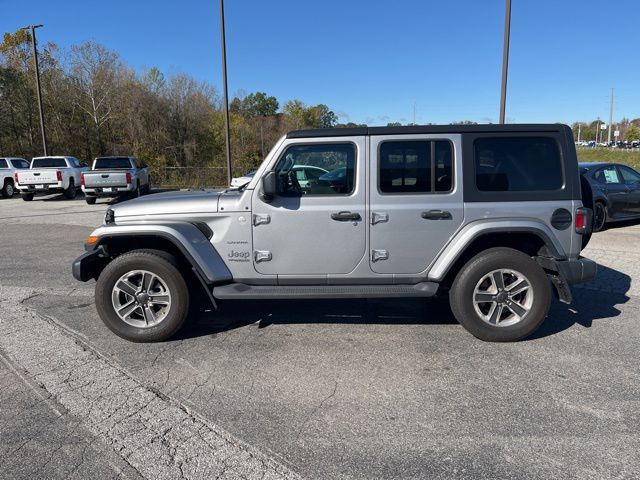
{"points": [[517, 164]]}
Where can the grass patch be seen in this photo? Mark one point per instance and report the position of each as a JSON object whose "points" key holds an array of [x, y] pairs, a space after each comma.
{"points": [[626, 157]]}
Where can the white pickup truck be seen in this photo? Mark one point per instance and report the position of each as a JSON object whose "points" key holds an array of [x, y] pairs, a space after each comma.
{"points": [[9, 167], [51, 175], [115, 177]]}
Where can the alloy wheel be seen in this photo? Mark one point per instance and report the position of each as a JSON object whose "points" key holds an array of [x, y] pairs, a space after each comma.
{"points": [[141, 298], [503, 297]]}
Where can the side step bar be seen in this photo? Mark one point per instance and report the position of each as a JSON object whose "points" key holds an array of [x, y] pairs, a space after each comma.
{"points": [[266, 292]]}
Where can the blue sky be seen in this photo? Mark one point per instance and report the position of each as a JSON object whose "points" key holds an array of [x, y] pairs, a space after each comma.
{"points": [[372, 61]]}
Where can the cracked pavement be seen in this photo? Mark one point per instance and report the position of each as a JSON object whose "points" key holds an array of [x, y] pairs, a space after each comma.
{"points": [[343, 389]]}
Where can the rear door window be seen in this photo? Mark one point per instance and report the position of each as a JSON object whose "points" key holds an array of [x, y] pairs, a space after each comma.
{"points": [[22, 164], [3, 163], [415, 166], [517, 164]]}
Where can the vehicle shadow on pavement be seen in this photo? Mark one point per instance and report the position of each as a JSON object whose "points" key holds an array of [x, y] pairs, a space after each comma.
{"points": [[238, 314], [597, 300], [594, 301]]}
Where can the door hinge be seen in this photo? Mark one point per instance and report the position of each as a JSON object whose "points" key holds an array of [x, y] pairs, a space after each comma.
{"points": [[262, 256], [377, 255], [379, 217], [259, 219]]}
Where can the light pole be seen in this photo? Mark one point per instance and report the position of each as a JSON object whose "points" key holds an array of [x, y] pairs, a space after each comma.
{"points": [[505, 60], [32, 28], [225, 92]]}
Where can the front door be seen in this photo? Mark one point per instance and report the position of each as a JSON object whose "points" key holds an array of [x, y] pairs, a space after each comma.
{"points": [[314, 226], [616, 190], [631, 179], [416, 200]]}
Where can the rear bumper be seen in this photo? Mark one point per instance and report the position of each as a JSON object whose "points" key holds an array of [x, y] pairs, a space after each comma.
{"points": [[113, 191], [88, 265], [41, 188], [580, 270]]}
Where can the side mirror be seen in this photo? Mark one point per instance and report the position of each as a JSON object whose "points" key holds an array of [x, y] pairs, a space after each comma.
{"points": [[269, 186]]}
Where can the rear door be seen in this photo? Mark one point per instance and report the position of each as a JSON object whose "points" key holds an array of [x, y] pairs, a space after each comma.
{"points": [[416, 200]]}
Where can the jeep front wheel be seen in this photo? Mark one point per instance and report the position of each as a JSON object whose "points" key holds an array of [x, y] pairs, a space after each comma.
{"points": [[501, 295], [141, 296]]}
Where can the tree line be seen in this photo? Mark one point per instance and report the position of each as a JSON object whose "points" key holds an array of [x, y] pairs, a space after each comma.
{"points": [[586, 131], [95, 104]]}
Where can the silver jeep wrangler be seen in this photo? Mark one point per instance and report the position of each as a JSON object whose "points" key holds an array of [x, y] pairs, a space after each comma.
{"points": [[491, 215]]}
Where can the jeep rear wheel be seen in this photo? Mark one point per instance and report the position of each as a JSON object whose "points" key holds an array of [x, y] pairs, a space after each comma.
{"points": [[501, 295], [141, 296]]}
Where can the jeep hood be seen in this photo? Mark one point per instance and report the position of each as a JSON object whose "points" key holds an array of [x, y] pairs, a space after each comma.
{"points": [[177, 203]]}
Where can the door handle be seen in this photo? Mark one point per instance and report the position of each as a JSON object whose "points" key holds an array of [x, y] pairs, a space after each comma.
{"points": [[345, 216], [436, 215]]}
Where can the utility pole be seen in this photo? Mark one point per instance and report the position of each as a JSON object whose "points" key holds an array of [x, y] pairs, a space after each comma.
{"points": [[505, 60], [32, 29], [597, 130], [579, 125], [610, 117], [226, 93]]}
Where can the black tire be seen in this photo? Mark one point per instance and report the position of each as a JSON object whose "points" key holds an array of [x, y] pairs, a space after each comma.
{"points": [[7, 189], [461, 296], [90, 200], [159, 263], [599, 216], [27, 197], [70, 192]]}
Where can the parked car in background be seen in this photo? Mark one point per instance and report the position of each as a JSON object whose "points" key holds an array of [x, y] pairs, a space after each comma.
{"points": [[60, 174], [115, 177], [304, 174], [616, 192], [243, 180], [9, 166]]}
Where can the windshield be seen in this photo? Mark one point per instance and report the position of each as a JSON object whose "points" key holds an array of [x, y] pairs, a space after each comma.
{"points": [[48, 162], [112, 163]]}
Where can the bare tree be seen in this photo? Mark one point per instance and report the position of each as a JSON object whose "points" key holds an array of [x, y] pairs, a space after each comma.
{"points": [[94, 73]]}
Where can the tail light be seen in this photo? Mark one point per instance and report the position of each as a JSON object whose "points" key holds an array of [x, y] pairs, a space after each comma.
{"points": [[128, 178], [15, 178], [583, 220], [82, 179], [59, 175]]}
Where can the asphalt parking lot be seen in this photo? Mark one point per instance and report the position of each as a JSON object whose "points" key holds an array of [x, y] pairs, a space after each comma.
{"points": [[334, 389]]}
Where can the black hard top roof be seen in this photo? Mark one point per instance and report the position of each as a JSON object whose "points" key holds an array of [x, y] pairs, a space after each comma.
{"points": [[427, 129]]}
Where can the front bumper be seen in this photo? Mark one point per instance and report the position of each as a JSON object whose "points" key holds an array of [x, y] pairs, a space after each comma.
{"points": [[88, 265]]}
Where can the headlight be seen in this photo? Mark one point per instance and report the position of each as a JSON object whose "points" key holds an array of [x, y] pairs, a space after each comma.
{"points": [[109, 217]]}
